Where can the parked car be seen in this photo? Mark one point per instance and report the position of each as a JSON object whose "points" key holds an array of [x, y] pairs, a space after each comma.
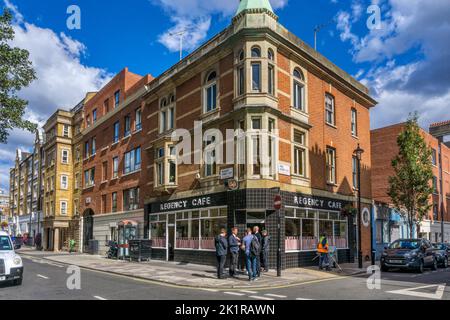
{"points": [[11, 267], [441, 252], [409, 254]]}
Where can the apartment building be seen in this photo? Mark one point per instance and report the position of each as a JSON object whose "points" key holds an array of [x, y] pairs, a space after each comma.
{"points": [[112, 145], [4, 206], [58, 180], [384, 149], [258, 77], [26, 190]]}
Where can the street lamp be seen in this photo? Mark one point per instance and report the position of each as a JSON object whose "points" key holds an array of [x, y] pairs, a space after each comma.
{"points": [[358, 153]]}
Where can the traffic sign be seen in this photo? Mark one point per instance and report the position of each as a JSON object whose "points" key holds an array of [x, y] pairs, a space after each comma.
{"points": [[277, 202]]}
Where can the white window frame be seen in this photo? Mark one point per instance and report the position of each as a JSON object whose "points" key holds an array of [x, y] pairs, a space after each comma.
{"points": [[331, 111], [208, 85], [299, 90], [299, 152], [61, 207], [331, 167], [354, 122], [67, 156], [115, 168], [66, 185]]}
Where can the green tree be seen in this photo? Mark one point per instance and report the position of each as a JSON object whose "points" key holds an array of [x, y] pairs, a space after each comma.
{"points": [[410, 188], [16, 72]]}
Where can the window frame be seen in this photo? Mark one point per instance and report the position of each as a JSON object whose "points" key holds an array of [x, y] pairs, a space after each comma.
{"points": [[331, 112], [331, 174], [354, 122], [211, 84]]}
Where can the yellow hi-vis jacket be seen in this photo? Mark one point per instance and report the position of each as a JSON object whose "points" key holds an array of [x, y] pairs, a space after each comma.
{"points": [[322, 248]]}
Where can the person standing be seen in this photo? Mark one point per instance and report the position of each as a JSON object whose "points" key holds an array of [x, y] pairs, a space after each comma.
{"points": [[250, 259], [258, 257], [322, 249], [221, 252], [234, 243], [265, 244]]}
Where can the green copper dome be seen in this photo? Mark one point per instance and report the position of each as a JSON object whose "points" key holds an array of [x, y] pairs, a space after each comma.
{"points": [[254, 4]]}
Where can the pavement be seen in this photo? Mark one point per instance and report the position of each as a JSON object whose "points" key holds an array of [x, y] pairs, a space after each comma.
{"points": [[189, 275]]}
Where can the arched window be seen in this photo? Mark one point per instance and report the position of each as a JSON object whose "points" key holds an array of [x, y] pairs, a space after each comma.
{"points": [[210, 92], [256, 52], [270, 55], [167, 114], [299, 90], [163, 103], [241, 55]]}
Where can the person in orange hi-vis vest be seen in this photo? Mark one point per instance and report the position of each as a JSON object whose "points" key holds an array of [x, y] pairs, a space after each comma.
{"points": [[322, 250]]}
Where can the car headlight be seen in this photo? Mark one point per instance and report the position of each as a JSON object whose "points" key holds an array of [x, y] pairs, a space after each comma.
{"points": [[17, 261]]}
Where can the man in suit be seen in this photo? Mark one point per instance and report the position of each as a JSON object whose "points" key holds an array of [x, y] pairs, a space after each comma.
{"points": [[221, 252], [234, 244]]}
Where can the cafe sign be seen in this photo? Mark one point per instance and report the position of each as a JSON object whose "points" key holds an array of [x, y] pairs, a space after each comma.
{"points": [[321, 203], [189, 203]]}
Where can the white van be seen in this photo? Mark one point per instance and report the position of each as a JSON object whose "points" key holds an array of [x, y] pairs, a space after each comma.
{"points": [[11, 267]]}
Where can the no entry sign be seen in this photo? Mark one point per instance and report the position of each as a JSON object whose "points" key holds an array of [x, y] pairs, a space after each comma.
{"points": [[277, 202]]}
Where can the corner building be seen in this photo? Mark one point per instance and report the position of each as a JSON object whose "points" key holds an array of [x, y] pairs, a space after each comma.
{"points": [[256, 76]]}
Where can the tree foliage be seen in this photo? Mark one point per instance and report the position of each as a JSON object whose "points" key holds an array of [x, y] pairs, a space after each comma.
{"points": [[16, 72], [410, 188]]}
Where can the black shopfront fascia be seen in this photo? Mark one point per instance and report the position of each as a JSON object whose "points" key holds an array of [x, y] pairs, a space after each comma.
{"points": [[241, 200]]}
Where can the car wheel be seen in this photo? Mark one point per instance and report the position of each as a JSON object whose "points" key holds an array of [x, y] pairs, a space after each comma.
{"points": [[445, 263], [421, 267], [434, 267], [384, 268]]}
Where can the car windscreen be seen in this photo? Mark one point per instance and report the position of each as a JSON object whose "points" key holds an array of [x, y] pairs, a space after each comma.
{"points": [[439, 246], [5, 244], [405, 244]]}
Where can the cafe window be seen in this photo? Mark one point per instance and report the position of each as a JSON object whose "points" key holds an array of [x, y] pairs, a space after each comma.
{"points": [[158, 225], [304, 228]]}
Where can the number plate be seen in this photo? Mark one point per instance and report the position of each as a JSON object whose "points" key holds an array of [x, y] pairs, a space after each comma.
{"points": [[2, 278], [395, 261]]}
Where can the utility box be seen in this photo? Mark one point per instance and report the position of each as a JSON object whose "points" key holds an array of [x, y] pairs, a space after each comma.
{"points": [[140, 250]]}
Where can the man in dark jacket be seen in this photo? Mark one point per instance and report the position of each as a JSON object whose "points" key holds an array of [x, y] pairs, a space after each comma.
{"points": [[221, 252], [265, 250], [258, 258], [234, 243]]}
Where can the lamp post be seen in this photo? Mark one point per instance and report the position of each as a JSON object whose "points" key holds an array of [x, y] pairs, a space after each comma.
{"points": [[277, 203], [358, 153]]}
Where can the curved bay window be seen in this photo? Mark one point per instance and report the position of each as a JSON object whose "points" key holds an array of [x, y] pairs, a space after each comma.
{"points": [[241, 74], [304, 227], [165, 166], [210, 92]]}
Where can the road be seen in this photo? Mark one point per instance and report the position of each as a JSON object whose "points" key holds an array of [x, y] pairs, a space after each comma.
{"points": [[44, 280]]}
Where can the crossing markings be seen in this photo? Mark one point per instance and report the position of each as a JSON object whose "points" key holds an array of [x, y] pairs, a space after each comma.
{"points": [[247, 291], [210, 290], [275, 296], [261, 298], [41, 276], [235, 293], [437, 295], [99, 298], [301, 299]]}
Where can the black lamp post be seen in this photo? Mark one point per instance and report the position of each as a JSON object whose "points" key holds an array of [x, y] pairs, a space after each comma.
{"points": [[358, 153]]}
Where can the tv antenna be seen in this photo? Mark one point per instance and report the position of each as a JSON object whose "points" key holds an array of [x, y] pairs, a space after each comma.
{"points": [[179, 34]]}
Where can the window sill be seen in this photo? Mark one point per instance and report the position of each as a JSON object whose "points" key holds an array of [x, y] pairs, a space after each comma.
{"points": [[114, 179], [332, 184], [300, 111], [126, 137], [115, 143], [136, 131], [103, 182], [104, 149], [130, 173], [331, 125], [355, 137], [207, 114], [209, 178], [89, 187]]}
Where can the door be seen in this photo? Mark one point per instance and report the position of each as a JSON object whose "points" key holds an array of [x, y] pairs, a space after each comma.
{"points": [[171, 243], [256, 219]]}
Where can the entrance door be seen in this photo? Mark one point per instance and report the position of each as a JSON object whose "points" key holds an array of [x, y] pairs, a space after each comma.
{"points": [[171, 243]]}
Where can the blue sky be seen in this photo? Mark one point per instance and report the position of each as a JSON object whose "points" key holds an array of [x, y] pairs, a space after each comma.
{"points": [[405, 62]]}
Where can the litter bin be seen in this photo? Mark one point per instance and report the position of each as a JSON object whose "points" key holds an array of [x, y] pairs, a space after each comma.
{"points": [[140, 250]]}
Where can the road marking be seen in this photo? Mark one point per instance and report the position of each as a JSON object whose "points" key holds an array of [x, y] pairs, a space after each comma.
{"points": [[41, 276], [246, 291], [210, 290], [414, 293], [235, 293], [275, 295], [305, 299], [99, 298], [261, 298]]}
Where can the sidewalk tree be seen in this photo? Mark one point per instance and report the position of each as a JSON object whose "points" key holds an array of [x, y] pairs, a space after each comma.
{"points": [[16, 72], [410, 188]]}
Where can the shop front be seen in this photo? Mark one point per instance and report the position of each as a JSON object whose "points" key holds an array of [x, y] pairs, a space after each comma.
{"points": [[184, 229]]}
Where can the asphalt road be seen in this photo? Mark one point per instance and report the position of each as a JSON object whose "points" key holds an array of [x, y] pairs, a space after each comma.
{"points": [[45, 280]]}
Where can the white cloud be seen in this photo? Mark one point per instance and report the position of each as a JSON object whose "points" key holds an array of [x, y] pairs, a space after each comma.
{"points": [[194, 17], [62, 81], [415, 33]]}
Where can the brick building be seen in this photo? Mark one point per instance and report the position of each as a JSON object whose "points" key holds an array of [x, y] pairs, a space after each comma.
{"points": [[112, 140], [255, 76], [384, 149]]}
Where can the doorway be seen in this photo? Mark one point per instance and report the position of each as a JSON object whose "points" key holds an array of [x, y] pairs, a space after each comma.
{"points": [[256, 218], [171, 243]]}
